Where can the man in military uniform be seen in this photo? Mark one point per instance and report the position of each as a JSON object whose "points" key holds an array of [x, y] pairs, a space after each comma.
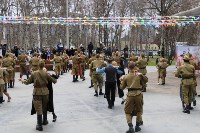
{"points": [[134, 101], [141, 64], [34, 62], [97, 78], [133, 57], [83, 64], [65, 60], [9, 62], [187, 73], [194, 63], [3, 73], [89, 62], [117, 58], [57, 59], [162, 66], [75, 66], [40, 80], [22, 62]]}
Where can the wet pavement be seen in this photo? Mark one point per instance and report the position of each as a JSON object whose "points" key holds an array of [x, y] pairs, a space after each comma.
{"points": [[79, 111]]}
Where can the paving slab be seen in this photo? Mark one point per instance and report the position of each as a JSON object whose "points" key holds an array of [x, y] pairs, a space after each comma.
{"points": [[79, 111]]}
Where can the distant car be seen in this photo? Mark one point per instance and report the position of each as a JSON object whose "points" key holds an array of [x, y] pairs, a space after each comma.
{"points": [[150, 53]]}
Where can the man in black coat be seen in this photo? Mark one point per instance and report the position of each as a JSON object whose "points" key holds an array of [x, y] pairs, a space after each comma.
{"points": [[90, 48]]}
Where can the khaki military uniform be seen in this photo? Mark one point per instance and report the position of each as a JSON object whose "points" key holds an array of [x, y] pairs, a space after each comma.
{"points": [[57, 60], [133, 58], [117, 59], [40, 92], [22, 62], [187, 73], [75, 65], [8, 62], [83, 64], [89, 62], [161, 66], [134, 101], [34, 62], [141, 64], [65, 59], [3, 73], [97, 78]]}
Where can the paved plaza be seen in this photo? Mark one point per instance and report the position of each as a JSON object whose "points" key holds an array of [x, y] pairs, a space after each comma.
{"points": [[79, 111]]}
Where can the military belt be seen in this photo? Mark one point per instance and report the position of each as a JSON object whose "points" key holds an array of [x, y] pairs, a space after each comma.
{"points": [[143, 68], [187, 78], [40, 86], [57, 62], [134, 89]]}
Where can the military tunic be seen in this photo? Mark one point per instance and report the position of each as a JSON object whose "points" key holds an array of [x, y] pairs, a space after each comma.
{"points": [[57, 60], [134, 101], [34, 62], [161, 66], [97, 78], [22, 62], [8, 62], [187, 73], [40, 80]]}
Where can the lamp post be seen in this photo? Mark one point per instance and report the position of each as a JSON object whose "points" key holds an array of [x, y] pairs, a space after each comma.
{"points": [[67, 26]]}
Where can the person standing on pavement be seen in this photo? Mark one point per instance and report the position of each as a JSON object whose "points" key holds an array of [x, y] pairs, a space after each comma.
{"points": [[3, 73], [57, 59], [34, 62], [187, 73], [110, 84], [75, 67], [89, 62], [40, 79], [90, 48], [142, 64], [192, 62], [9, 63], [97, 78], [162, 72], [134, 101], [23, 58]]}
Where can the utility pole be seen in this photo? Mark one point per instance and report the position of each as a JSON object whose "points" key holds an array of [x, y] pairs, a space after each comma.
{"points": [[67, 26]]}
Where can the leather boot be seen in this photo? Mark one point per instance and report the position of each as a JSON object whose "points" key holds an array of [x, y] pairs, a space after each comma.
{"points": [[74, 79], [190, 107], [194, 103], [1, 100], [39, 123], [186, 110], [96, 94], [11, 84], [100, 92], [91, 85], [54, 117], [131, 130], [45, 121], [27, 76], [137, 127]]}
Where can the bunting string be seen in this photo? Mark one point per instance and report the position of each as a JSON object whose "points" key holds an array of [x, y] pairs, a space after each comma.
{"points": [[155, 21]]}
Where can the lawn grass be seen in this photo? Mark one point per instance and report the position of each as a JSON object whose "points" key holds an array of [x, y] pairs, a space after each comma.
{"points": [[152, 61]]}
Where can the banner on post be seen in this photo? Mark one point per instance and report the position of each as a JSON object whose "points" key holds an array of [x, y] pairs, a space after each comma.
{"points": [[182, 50]]}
